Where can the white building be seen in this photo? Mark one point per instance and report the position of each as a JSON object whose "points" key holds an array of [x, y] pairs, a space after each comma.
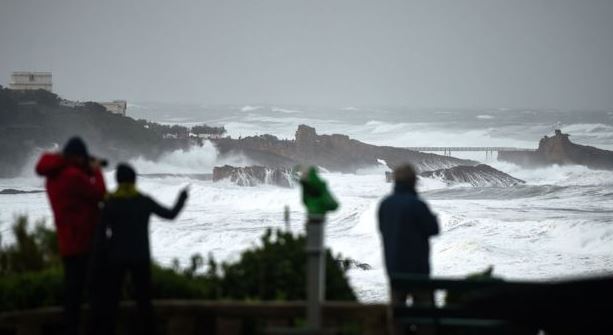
{"points": [[209, 136], [31, 81], [116, 106]]}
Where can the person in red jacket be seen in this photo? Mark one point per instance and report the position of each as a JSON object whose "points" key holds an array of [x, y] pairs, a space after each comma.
{"points": [[75, 187]]}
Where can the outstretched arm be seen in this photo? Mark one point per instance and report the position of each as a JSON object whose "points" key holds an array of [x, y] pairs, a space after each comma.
{"points": [[168, 213]]}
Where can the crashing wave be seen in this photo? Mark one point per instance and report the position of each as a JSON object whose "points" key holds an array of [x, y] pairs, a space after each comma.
{"points": [[254, 175]]}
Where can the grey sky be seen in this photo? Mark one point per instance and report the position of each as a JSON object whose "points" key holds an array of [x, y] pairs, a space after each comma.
{"points": [[472, 53]]}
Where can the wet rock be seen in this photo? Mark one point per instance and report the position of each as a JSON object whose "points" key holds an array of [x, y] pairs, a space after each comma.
{"points": [[332, 152], [479, 176], [350, 264], [12, 191]]}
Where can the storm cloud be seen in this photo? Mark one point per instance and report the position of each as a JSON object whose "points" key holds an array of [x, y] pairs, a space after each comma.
{"points": [[459, 54]]}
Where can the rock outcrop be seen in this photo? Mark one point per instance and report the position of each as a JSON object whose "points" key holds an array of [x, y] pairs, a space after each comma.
{"points": [[254, 175], [479, 176], [332, 152], [351, 264], [12, 191], [560, 150]]}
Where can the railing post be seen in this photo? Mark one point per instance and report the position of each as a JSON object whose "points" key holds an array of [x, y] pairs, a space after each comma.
{"points": [[29, 329], [227, 326], [181, 325]]}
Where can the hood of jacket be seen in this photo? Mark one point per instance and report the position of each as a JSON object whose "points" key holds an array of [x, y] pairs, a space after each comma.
{"points": [[404, 188], [50, 164]]}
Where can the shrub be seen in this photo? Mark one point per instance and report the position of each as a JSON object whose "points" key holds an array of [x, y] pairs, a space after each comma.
{"points": [[277, 271], [32, 274], [31, 289], [32, 251]]}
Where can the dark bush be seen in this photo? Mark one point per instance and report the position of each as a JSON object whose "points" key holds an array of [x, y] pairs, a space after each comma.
{"points": [[30, 120], [204, 129], [32, 251], [31, 289], [32, 274], [277, 271]]}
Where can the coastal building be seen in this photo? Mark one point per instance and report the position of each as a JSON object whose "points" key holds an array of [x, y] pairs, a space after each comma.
{"points": [[215, 136], [116, 106], [71, 104], [31, 81]]}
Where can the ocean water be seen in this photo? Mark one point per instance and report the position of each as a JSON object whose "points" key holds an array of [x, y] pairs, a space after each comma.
{"points": [[558, 225]]}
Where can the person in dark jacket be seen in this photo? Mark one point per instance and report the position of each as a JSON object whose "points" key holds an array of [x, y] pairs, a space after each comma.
{"points": [[75, 187], [406, 224], [124, 236]]}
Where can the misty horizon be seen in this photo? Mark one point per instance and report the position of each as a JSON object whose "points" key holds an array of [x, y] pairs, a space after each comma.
{"points": [[473, 54]]}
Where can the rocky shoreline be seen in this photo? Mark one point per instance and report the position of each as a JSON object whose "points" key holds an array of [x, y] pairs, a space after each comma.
{"points": [[478, 176], [338, 153], [12, 191]]}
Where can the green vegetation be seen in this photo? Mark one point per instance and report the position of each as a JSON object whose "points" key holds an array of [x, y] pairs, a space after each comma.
{"points": [[207, 130], [30, 120], [31, 274], [276, 271], [32, 251]]}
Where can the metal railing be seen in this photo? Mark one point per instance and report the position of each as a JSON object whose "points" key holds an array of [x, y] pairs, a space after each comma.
{"points": [[473, 149], [191, 317]]}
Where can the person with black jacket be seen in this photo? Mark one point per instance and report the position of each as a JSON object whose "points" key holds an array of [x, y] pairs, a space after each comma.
{"points": [[406, 224], [122, 248]]}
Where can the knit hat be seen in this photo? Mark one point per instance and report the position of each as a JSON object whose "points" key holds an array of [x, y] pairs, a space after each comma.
{"points": [[125, 174], [75, 147]]}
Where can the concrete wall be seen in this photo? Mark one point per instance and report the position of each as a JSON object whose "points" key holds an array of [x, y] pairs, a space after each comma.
{"points": [[116, 106], [176, 317]]}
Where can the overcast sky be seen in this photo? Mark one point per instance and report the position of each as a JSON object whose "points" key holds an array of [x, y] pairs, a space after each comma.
{"points": [[454, 53]]}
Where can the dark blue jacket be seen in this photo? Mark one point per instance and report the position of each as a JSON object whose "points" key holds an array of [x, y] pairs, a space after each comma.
{"points": [[406, 224]]}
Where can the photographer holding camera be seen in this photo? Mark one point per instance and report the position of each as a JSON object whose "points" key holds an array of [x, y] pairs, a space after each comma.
{"points": [[75, 187]]}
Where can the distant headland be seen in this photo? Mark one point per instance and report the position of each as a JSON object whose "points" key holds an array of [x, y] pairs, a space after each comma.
{"points": [[558, 149], [36, 120]]}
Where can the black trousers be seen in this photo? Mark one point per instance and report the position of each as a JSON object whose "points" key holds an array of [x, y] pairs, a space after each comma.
{"points": [[420, 298], [75, 277], [140, 276]]}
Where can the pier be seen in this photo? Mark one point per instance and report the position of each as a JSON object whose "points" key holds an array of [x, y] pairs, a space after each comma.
{"points": [[489, 151]]}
